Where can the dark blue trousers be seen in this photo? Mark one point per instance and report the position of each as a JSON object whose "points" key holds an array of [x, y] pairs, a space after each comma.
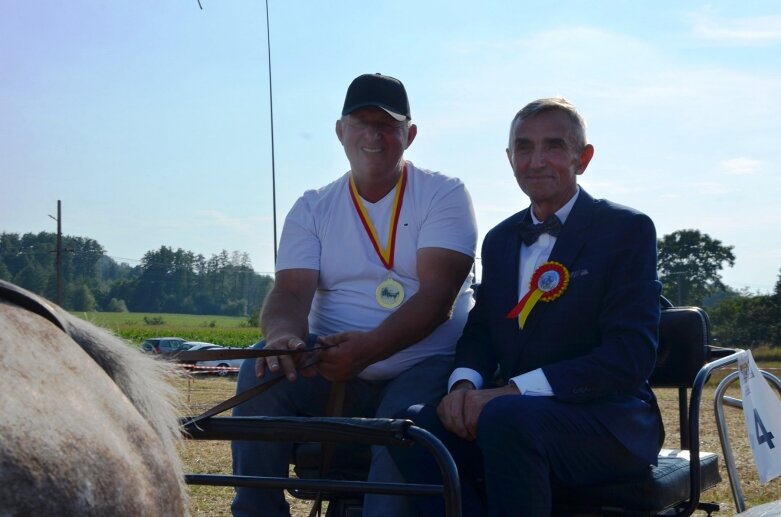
{"points": [[524, 445]]}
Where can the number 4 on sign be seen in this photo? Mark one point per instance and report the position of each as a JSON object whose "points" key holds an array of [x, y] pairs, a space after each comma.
{"points": [[762, 411], [762, 435]]}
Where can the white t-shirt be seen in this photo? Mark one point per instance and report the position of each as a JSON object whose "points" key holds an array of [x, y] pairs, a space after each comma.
{"points": [[324, 232]]}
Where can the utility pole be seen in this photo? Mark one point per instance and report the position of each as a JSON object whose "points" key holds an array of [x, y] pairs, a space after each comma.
{"points": [[59, 251]]}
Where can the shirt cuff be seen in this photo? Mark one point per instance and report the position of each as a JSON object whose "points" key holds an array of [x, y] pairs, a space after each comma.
{"points": [[533, 383], [465, 374]]}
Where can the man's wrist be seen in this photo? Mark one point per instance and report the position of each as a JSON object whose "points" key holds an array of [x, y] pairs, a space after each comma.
{"points": [[512, 384], [463, 384]]}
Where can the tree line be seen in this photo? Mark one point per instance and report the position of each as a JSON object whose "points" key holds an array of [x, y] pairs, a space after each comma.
{"points": [[166, 280], [179, 281], [690, 265]]}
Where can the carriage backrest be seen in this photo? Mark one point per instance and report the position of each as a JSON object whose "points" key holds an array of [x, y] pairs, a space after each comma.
{"points": [[684, 337]]}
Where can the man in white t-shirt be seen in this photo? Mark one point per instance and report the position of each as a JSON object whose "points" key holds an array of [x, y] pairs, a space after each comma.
{"points": [[377, 264]]}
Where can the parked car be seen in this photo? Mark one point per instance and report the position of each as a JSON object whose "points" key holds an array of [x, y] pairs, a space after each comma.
{"points": [[223, 366], [201, 345], [164, 345]]}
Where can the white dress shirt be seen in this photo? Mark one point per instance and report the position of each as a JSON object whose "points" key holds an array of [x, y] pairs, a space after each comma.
{"points": [[533, 383]]}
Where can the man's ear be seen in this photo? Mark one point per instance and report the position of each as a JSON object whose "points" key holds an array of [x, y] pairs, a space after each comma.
{"points": [[339, 130], [412, 132], [585, 157]]}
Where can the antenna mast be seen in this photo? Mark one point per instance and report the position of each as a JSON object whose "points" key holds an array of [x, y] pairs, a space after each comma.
{"points": [[271, 111]]}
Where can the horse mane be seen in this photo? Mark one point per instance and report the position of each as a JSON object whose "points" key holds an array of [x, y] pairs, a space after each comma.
{"points": [[143, 380]]}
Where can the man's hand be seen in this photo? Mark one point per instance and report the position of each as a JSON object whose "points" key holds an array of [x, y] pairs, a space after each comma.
{"points": [[349, 356], [284, 321], [288, 363], [461, 408]]}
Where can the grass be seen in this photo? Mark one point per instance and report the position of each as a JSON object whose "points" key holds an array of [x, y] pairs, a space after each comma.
{"points": [[766, 354], [138, 326], [113, 319], [214, 457]]}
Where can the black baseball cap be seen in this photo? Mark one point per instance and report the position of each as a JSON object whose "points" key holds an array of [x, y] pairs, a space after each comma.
{"points": [[377, 90]]}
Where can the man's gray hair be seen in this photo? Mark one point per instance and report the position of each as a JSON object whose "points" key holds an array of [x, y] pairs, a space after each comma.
{"points": [[534, 108]]}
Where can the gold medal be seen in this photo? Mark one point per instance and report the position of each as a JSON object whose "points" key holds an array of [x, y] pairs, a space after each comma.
{"points": [[389, 294]]}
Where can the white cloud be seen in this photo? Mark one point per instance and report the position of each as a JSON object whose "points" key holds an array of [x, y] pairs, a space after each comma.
{"points": [[741, 166], [757, 30]]}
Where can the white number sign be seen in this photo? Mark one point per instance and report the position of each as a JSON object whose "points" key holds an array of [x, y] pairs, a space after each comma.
{"points": [[762, 410]]}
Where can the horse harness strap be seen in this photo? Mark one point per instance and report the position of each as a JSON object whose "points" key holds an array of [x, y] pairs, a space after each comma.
{"points": [[27, 300]]}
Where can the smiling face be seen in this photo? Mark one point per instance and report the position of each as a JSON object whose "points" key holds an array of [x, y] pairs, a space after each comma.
{"points": [[374, 143], [546, 159]]}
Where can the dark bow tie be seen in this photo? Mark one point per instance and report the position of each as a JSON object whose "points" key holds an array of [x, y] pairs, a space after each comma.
{"points": [[530, 232]]}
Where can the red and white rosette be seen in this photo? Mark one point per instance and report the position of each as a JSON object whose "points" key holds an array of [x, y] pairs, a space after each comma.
{"points": [[547, 283]]}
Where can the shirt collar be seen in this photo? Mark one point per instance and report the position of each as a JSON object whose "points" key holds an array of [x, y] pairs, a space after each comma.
{"points": [[563, 212]]}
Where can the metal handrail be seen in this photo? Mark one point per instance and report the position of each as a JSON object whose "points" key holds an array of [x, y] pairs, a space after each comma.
{"points": [[719, 401], [378, 431], [694, 428]]}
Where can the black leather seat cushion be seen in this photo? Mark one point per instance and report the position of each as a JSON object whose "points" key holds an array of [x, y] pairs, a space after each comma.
{"points": [[660, 487]]}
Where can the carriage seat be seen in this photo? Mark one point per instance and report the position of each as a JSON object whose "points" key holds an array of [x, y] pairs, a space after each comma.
{"points": [[661, 487], [684, 347]]}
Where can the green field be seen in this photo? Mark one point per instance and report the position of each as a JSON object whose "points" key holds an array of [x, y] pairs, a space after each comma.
{"points": [[138, 326]]}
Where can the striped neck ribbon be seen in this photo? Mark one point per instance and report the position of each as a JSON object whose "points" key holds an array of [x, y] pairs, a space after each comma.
{"points": [[384, 252]]}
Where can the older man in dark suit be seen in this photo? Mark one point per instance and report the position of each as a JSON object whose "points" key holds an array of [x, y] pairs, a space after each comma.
{"points": [[567, 314]]}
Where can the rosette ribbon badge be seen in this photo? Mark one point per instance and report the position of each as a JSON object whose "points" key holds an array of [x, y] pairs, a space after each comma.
{"points": [[547, 283]]}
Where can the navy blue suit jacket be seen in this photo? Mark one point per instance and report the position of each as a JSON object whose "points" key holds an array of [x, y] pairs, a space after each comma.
{"points": [[597, 342]]}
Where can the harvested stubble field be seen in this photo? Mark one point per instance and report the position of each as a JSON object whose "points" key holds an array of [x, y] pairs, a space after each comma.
{"points": [[201, 392]]}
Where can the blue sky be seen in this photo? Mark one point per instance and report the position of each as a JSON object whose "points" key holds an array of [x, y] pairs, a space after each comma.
{"points": [[151, 122]]}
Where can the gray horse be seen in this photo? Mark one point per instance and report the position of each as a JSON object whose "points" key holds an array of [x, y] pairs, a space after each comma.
{"points": [[88, 425]]}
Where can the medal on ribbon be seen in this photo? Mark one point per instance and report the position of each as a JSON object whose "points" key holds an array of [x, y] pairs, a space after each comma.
{"points": [[389, 293], [547, 283]]}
